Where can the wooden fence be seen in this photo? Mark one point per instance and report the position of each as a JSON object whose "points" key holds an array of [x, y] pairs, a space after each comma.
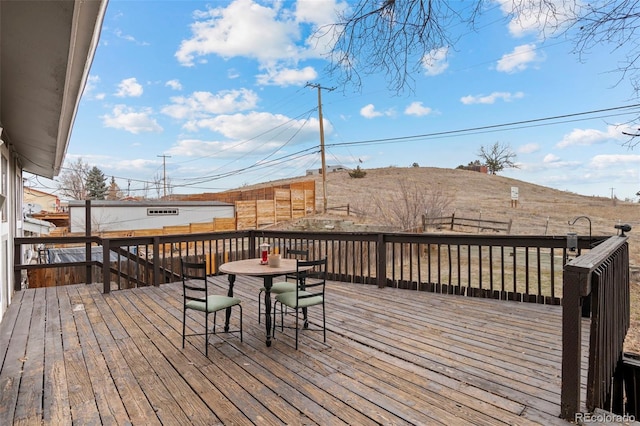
{"points": [[454, 222]]}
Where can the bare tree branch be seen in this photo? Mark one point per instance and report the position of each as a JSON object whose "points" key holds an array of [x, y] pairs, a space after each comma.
{"points": [[497, 157]]}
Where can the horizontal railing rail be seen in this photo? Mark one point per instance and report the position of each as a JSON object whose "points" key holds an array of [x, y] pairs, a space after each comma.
{"points": [[524, 268]]}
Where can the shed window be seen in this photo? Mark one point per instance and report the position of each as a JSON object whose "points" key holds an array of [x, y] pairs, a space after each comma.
{"points": [[162, 212]]}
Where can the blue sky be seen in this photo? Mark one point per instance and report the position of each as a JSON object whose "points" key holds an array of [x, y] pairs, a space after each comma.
{"points": [[217, 91]]}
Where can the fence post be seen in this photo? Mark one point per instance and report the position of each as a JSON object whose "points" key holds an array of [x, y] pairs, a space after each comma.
{"points": [[453, 219]]}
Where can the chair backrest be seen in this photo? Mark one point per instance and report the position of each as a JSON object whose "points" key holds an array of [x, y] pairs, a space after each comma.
{"points": [[312, 277], [194, 280], [297, 254]]}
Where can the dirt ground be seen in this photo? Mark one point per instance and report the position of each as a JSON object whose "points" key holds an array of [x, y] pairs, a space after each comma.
{"points": [[537, 211]]}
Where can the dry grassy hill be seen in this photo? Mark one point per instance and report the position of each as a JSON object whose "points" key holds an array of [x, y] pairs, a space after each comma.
{"points": [[540, 209], [472, 194]]}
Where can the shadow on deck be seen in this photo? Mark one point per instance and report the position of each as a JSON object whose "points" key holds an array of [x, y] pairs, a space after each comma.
{"points": [[73, 354]]}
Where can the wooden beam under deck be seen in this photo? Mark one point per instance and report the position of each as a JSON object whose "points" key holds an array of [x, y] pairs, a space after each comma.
{"points": [[72, 354]]}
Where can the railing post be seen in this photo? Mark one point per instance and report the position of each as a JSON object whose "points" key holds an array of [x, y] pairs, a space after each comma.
{"points": [[87, 247], [106, 266], [156, 261], [17, 273], [381, 268], [571, 344], [253, 243]]}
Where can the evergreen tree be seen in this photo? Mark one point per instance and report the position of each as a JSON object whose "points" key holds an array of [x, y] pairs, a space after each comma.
{"points": [[96, 185]]}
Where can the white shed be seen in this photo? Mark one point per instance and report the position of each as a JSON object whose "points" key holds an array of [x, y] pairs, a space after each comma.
{"points": [[136, 215]]}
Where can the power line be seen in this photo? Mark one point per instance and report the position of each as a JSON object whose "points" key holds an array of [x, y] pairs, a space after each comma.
{"points": [[481, 128], [544, 121]]}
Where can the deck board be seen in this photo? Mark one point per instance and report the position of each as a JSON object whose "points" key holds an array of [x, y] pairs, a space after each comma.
{"points": [[74, 355]]}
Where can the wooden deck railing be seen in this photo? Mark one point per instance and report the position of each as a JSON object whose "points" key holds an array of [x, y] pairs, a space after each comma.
{"points": [[523, 268], [598, 280]]}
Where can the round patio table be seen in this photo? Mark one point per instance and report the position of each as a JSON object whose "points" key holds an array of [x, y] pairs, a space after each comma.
{"points": [[253, 267]]}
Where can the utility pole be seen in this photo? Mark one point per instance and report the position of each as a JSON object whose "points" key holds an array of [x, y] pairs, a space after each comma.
{"points": [[164, 173], [322, 155]]}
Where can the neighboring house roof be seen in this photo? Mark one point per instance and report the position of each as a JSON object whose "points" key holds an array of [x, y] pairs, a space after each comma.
{"points": [[34, 191], [46, 49], [37, 226], [146, 203]]}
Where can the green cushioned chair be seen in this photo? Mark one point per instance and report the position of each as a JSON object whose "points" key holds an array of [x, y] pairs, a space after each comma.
{"points": [[195, 288], [289, 283], [310, 292]]}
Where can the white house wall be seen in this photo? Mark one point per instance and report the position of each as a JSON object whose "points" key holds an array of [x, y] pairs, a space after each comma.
{"points": [[11, 223], [125, 217]]}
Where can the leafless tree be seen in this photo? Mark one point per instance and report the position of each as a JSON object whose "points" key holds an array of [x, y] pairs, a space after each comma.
{"points": [[396, 37], [405, 207], [157, 185], [497, 157], [437, 204], [72, 181]]}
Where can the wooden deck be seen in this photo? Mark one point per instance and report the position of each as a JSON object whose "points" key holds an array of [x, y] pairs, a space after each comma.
{"points": [[71, 354]]}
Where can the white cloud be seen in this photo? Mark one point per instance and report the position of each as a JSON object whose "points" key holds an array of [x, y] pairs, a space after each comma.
{"points": [[550, 158], [284, 77], [529, 148], [535, 17], [492, 98], [267, 32], [518, 60], [245, 127], [588, 137], [606, 161], [126, 118], [174, 84], [118, 33], [129, 87], [204, 104], [240, 130], [91, 87], [130, 165], [417, 109], [435, 62], [369, 111], [243, 28], [319, 12]]}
